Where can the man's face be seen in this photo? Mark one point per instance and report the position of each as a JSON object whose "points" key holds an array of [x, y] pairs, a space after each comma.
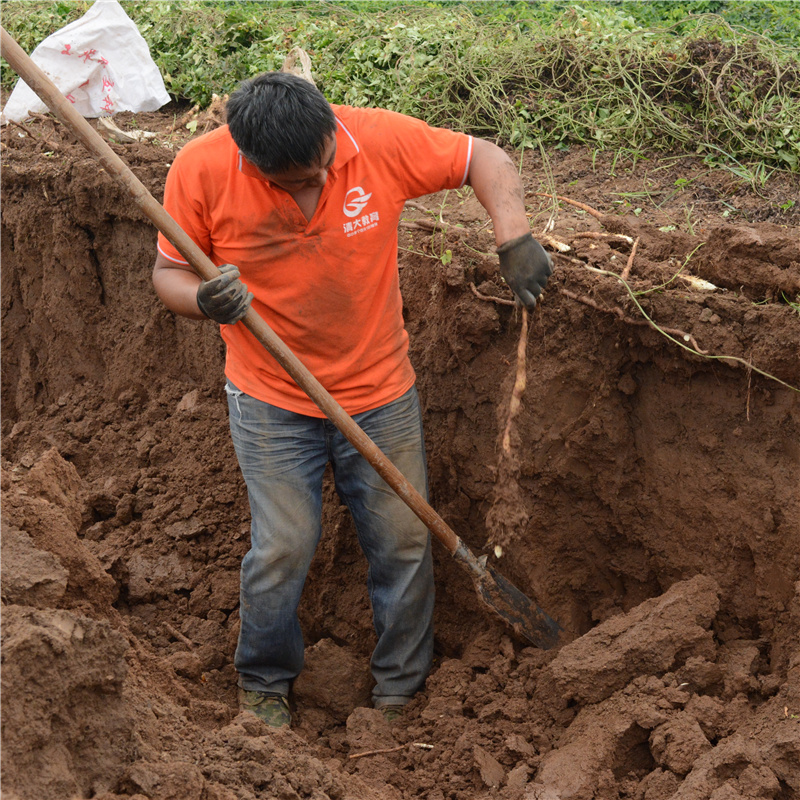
{"points": [[298, 179]]}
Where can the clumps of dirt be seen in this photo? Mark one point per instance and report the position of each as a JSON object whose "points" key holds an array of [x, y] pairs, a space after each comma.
{"points": [[648, 499], [645, 704], [762, 262], [62, 675]]}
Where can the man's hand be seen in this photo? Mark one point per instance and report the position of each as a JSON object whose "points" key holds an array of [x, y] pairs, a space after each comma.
{"points": [[224, 299], [525, 267]]}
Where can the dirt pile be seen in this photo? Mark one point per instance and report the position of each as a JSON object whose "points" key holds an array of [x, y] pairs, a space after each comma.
{"points": [[648, 498]]}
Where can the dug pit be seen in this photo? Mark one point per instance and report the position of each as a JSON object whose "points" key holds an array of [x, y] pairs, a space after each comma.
{"points": [[646, 493]]}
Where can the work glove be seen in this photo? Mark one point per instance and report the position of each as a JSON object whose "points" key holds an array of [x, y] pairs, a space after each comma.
{"points": [[525, 267], [224, 299]]}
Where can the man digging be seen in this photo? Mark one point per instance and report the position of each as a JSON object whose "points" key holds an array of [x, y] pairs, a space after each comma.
{"points": [[304, 198]]}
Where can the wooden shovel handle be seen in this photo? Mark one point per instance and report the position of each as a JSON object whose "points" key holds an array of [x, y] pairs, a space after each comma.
{"points": [[205, 268]]}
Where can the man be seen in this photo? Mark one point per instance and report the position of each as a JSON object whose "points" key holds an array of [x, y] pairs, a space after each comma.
{"points": [[304, 199]]}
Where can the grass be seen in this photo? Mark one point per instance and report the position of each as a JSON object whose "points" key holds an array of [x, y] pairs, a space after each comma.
{"points": [[735, 101], [621, 76], [793, 304]]}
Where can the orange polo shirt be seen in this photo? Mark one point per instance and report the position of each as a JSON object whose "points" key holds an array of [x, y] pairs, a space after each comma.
{"points": [[327, 286]]}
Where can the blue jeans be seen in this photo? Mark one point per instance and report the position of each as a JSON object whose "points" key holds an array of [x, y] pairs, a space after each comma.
{"points": [[283, 456]]}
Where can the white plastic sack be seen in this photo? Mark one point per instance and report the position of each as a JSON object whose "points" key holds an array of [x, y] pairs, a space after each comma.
{"points": [[100, 62]]}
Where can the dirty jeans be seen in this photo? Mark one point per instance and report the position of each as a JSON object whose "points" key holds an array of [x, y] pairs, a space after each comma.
{"points": [[283, 456]]}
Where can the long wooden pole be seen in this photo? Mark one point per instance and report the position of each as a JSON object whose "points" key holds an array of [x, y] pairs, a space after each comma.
{"points": [[206, 269]]}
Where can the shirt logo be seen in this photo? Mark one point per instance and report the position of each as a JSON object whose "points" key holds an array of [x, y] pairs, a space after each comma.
{"points": [[355, 201]]}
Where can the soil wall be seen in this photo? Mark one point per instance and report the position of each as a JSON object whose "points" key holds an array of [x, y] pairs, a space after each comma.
{"points": [[648, 498]]}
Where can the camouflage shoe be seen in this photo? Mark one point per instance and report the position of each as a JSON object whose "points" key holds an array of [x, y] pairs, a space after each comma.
{"points": [[391, 713], [270, 708]]}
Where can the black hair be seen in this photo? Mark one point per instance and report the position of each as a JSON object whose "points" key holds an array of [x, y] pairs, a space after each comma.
{"points": [[280, 121]]}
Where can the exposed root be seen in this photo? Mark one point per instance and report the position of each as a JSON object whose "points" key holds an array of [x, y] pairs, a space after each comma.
{"points": [[511, 510], [687, 337], [562, 247], [418, 206], [683, 339], [51, 145], [424, 225], [20, 126], [214, 116], [588, 209], [608, 237], [303, 69], [185, 118], [382, 750], [47, 117], [499, 300], [519, 382], [176, 634], [629, 265]]}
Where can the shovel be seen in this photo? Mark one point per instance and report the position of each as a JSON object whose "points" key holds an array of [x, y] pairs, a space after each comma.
{"points": [[507, 602]]}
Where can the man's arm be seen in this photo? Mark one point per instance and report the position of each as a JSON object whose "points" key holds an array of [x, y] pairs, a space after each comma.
{"points": [[224, 299], [524, 264], [494, 178], [176, 285]]}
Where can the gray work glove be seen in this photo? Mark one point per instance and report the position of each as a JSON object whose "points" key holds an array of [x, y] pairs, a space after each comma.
{"points": [[224, 299], [525, 267]]}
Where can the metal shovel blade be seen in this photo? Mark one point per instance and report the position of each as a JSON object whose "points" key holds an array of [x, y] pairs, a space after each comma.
{"points": [[516, 610]]}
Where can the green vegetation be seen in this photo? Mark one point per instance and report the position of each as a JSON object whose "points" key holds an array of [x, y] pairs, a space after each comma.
{"points": [[718, 78]]}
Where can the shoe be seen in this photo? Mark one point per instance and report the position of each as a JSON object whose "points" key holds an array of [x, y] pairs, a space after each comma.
{"points": [[391, 713], [270, 708]]}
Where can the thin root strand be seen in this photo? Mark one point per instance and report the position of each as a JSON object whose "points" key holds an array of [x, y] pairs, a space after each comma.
{"points": [[485, 297], [616, 310], [420, 745]]}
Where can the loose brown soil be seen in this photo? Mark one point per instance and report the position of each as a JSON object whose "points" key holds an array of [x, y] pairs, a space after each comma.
{"points": [[649, 500]]}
